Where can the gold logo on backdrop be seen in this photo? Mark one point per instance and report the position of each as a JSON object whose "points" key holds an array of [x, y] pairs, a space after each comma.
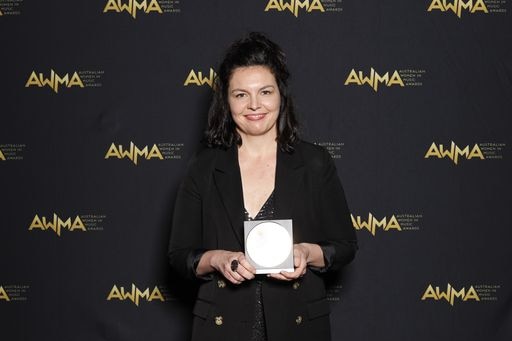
{"points": [[372, 223], [1, 13], [294, 6], [2, 157], [57, 224], [3, 295], [135, 294], [133, 6], [450, 294], [54, 81], [454, 152], [133, 152], [197, 78], [457, 6], [358, 78]]}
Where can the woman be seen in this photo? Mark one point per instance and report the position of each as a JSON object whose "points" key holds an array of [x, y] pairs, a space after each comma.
{"points": [[257, 168]]}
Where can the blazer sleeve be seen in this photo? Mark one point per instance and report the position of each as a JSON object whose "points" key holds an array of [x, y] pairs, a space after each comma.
{"points": [[341, 244], [185, 244]]}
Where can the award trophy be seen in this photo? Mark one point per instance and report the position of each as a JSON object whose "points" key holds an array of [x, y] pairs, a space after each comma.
{"points": [[269, 245]]}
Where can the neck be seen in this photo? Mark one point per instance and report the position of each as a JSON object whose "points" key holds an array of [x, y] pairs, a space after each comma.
{"points": [[258, 145]]}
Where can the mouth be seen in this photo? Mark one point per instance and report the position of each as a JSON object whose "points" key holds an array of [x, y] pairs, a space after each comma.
{"points": [[254, 117]]}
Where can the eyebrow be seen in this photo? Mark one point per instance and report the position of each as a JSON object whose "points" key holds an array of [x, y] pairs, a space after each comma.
{"points": [[262, 88]]}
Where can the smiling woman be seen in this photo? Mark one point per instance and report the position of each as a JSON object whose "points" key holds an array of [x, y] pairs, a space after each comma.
{"points": [[254, 101], [265, 62], [256, 168]]}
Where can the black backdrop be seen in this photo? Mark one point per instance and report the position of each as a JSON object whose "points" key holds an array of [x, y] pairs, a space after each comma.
{"points": [[433, 222]]}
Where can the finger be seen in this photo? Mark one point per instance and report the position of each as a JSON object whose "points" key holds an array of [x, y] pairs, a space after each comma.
{"points": [[300, 269], [297, 259], [291, 275], [295, 274], [230, 278], [303, 263], [245, 273], [233, 274], [279, 276], [237, 276], [243, 261]]}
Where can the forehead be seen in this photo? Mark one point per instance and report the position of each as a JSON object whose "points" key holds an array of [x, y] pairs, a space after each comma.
{"points": [[247, 76]]}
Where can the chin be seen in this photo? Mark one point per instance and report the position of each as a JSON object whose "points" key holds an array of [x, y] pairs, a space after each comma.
{"points": [[258, 132]]}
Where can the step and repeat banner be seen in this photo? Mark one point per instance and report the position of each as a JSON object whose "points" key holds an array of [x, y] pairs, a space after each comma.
{"points": [[103, 103]]}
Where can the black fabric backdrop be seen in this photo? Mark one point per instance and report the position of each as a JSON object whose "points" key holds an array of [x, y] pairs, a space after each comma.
{"points": [[447, 227]]}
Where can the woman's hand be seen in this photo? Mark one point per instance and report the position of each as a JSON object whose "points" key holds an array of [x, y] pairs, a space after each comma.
{"points": [[300, 256], [304, 254], [221, 261]]}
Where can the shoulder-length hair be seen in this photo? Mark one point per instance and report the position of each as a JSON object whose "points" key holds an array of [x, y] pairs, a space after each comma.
{"points": [[254, 49]]}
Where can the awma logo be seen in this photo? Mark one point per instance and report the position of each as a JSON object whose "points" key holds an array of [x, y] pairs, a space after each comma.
{"points": [[133, 152], [454, 152], [450, 294], [135, 294], [56, 224], [294, 6], [457, 6], [54, 81], [374, 79], [133, 7]]}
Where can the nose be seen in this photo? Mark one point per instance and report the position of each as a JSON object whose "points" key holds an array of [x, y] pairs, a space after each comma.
{"points": [[254, 103]]}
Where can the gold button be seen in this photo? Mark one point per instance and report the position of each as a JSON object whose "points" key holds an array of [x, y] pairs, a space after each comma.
{"points": [[298, 320], [218, 320], [221, 284], [296, 285]]}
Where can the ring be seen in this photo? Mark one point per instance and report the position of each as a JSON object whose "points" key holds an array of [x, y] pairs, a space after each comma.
{"points": [[234, 265]]}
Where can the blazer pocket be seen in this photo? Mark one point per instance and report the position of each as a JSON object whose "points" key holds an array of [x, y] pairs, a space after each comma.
{"points": [[318, 308], [202, 309]]}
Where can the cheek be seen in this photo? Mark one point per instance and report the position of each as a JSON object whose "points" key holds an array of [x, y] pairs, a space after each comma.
{"points": [[232, 107], [236, 107], [273, 103]]}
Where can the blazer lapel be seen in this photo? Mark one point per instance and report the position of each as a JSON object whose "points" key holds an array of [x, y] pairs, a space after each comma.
{"points": [[289, 183], [229, 184]]}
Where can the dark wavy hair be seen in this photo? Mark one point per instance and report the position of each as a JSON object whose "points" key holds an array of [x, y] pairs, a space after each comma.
{"points": [[254, 49]]}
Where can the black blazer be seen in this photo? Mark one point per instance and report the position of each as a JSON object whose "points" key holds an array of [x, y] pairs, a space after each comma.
{"points": [[209, 215]]}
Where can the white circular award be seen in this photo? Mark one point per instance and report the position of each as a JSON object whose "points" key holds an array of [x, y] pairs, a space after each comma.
{"points": [[268, 244]]}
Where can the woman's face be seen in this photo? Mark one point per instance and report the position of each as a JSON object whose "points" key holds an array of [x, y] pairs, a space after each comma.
{"points": [[254, 100]]}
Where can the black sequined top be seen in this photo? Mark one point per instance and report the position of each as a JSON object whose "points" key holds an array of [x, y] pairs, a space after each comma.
{"points": [[259, 331], [266, 211]]}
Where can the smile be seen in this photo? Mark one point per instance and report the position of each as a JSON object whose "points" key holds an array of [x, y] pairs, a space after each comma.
{"points": [[254, 117]]}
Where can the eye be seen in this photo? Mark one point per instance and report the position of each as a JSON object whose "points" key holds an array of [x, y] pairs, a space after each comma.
{"points": [[266, 92], [240, 95]]}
